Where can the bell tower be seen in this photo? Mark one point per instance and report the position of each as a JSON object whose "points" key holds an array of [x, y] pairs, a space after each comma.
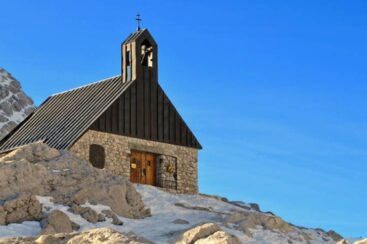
{"points": [[139, 57]]}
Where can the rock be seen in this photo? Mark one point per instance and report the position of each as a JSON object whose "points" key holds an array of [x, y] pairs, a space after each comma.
{"points": [[74, 226], [49, 239], [40, 170], [199, 232], [180, 222], [113, 216], [241, 204], [219, 237], [12, 100], [114, 197], [56, 222], [24, 207], [333, 235], [255, 206], [87, 213], [17, 240], [250, 220], [90, 215], [35, 153], [364, 241], [343, 241], [102, 235], [2, 216], [207, 233]]}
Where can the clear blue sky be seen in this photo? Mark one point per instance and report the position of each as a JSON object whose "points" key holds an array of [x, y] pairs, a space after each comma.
{"points": [[274, 90]]}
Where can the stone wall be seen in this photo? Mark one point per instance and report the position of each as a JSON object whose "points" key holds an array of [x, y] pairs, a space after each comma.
{"points": [[176, 165]]}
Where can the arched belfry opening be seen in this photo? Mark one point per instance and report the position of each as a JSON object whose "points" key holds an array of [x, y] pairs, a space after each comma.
{"points": [[146, 54], [139, 57]]}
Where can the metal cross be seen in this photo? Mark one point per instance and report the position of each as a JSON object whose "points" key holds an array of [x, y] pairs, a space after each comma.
{"points": [[138, 21]]}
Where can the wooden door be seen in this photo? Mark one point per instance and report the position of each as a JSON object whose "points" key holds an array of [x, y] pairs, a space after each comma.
{"points": [[135, 166], [143, 168], [150, 168]]}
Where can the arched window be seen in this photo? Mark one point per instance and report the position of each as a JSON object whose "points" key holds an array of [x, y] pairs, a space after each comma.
{"points": [[97, 156]]}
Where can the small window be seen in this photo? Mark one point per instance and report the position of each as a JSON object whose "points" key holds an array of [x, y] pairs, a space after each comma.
{"points": [[128, 65], [97, 156]]}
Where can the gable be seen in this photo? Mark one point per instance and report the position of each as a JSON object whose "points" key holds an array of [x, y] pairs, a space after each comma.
{"points": [[144, 111]]}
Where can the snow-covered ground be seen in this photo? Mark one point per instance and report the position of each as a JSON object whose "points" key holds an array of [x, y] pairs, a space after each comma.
{"points": [[165, 208]]}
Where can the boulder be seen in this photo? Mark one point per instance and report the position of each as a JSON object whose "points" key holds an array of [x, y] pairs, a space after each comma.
{"points": [[206, 233], [120, 198], [219, 237], [364, 241], [113, 216], [199, 232], [24, 207], [87, 213], [56, 222]]}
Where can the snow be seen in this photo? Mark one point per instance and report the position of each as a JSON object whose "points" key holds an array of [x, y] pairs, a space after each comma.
{"points": [[27, 228], [164, 209]]}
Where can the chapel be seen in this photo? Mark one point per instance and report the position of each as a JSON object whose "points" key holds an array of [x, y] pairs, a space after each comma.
{"points": [[125, 124]]}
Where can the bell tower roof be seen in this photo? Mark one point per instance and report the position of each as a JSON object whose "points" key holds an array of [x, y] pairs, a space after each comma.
{"points": [[139, 34]]}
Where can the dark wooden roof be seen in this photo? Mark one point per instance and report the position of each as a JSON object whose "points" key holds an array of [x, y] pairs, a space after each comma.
{"points": [[64, 117]]}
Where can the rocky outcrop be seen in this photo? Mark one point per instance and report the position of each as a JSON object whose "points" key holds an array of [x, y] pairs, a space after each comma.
{"points": [[23, 207], [333, 235], [206, 233], [95, 236], [244, 221], [40, 170], [364, 241], [15, 105]]}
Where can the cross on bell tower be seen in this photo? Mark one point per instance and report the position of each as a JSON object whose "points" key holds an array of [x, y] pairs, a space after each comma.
{"points": [[138, 20]]}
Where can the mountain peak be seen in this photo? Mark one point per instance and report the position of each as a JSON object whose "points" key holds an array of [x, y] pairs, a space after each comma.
{"points": [[15, 105]]}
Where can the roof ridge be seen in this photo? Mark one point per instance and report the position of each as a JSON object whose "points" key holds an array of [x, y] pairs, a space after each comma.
{"points": [[83, 86]]}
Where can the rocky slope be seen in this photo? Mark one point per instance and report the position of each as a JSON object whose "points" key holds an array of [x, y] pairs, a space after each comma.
{"points": [[44, 192], [15, 105]]}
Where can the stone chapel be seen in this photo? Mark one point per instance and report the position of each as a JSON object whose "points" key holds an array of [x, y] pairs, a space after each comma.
{"points": [[125, 124]]}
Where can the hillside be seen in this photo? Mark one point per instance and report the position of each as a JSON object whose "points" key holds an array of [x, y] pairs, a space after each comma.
{"points": [[15, 105], [45, 191]]}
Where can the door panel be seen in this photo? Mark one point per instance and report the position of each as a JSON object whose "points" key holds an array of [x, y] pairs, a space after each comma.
{"points": [[150, 165], [135, 166], [143, 168]]}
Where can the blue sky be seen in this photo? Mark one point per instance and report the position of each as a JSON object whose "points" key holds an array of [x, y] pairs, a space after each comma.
{"points": [[274, 90]]}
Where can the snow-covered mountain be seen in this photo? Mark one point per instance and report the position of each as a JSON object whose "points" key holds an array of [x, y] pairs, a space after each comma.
{"points": [[15, 105]]}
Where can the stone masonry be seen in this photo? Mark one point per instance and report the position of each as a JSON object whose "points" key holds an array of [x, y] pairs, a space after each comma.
{"points": [[176, 165]]}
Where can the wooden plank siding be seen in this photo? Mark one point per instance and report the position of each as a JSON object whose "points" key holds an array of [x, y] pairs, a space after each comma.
{"points": [[144, 111]]}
